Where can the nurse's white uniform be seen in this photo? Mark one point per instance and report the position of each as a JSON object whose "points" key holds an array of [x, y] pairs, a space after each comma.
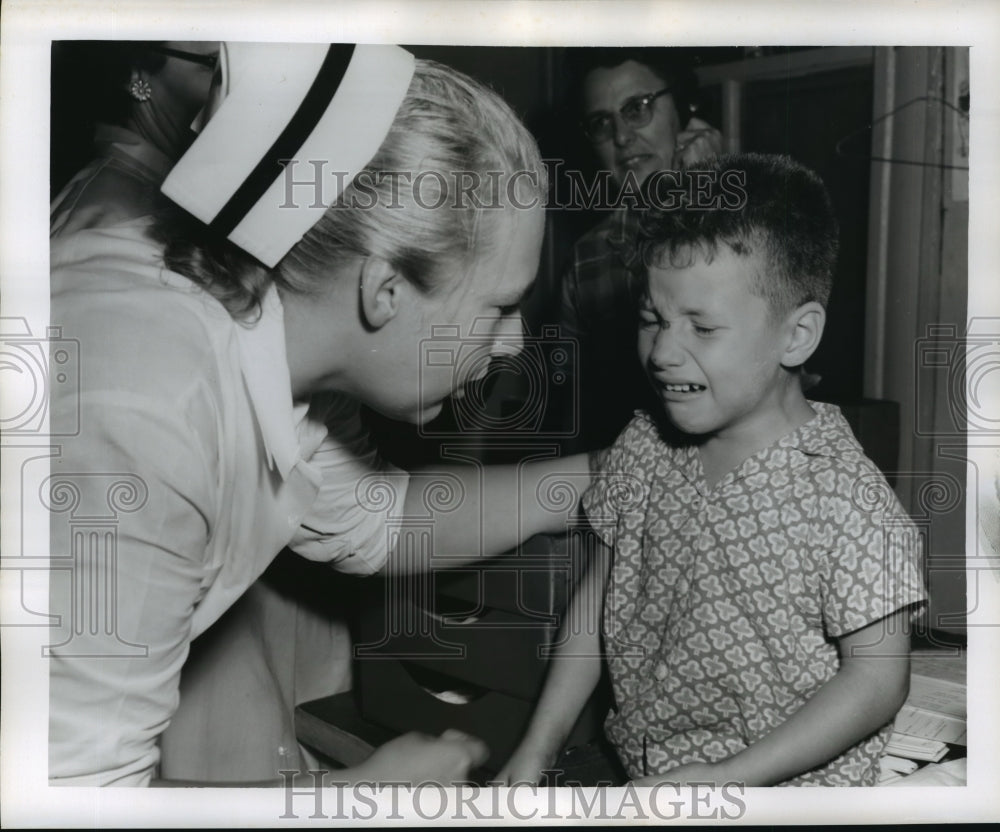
{"points": [[193, 412]]}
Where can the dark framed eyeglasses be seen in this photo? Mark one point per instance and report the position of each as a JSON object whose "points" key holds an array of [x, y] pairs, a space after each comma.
{"points": [[194, 57], [637, 111]]}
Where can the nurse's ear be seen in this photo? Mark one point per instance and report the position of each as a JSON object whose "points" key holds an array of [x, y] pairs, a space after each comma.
{"points": [[381, 290]]}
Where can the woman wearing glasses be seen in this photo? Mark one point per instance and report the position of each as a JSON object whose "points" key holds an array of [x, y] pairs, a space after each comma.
{"points": [[143, 99], [636, 114]]}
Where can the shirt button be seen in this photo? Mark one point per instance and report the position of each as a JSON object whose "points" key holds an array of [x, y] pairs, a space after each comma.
{"points": [[660, 671]]}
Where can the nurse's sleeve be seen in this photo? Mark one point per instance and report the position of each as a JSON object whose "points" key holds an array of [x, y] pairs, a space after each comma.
{"points": [[346, 524], [131, 499]]}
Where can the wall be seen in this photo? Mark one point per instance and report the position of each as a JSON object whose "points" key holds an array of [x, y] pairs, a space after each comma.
{"points": [[916, 310]]}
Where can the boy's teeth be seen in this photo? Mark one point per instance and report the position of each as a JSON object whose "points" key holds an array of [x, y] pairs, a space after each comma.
{"points": [[685, 388]]}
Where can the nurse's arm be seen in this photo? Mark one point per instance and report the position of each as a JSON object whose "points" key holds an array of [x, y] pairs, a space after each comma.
{"points": [[478, 511], [410, 758]]}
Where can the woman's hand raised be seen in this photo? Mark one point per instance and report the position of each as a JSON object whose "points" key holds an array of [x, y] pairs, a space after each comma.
{"points": [[699, 142]]}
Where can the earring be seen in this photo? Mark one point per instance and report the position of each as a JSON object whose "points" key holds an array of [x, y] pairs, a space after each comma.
{"points": [[139, 89]]}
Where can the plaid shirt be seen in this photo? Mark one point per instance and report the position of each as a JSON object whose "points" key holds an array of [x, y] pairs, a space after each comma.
{"points": [[598, 307]]}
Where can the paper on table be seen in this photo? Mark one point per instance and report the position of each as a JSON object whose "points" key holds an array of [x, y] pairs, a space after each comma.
{"points": [[452, 697], [938, 695], [901, 765], [915, 748], [918, 722], [952, 773]]}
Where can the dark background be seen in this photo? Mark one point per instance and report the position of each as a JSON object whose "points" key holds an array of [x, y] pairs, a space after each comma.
{"points": [[801, 116]]}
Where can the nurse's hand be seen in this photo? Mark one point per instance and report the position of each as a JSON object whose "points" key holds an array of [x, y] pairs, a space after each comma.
{"points": [[418, 758]]}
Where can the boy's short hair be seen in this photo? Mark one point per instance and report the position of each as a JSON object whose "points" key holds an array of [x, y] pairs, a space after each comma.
{"points": [[754, 204]]}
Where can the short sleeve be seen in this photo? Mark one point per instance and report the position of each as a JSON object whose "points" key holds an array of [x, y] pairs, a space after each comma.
{"points": [[131, 505], [346, 524], [618, 484], [874, 568]]}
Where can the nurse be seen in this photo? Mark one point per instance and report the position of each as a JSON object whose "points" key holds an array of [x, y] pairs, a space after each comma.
{"points": [[352, 210]]}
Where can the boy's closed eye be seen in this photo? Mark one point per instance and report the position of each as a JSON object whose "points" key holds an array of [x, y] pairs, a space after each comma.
{"points": [[650, 318]]}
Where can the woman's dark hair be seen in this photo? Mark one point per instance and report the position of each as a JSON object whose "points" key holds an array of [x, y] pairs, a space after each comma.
{"points": [[94, 74], [89, 80], [673, 65]]}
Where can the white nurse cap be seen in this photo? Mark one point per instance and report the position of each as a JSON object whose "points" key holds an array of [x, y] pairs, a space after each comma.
{"points": [[321, 110]]}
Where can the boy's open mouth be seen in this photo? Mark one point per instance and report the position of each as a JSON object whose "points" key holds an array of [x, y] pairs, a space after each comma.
{"points": [[684, 388]]}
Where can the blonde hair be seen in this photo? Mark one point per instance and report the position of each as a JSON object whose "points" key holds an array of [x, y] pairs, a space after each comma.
{"points": [[455, 154]]}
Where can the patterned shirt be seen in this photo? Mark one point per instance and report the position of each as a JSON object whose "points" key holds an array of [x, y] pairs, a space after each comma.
{"points": [[723, 603]]}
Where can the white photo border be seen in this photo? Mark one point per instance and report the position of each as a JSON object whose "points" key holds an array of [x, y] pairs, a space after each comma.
{"points": [[29, 28]]}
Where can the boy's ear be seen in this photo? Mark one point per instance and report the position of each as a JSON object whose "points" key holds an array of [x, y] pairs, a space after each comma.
{"points": [[380, 292], [805, 324]]}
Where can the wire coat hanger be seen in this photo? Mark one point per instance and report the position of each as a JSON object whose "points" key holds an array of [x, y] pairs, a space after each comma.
{"points": [[839, 147]]}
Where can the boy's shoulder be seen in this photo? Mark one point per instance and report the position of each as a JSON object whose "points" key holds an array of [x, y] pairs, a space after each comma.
{"points": [[643, 430], [640, 442], [835, 459], [828, 436], [825, 447]]}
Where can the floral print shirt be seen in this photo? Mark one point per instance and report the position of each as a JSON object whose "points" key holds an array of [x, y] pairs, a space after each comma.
{"points": [[724, 603]]}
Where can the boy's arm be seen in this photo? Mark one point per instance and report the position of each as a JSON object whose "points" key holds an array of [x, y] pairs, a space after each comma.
{"points": [[866, 692], [572, 675]]}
